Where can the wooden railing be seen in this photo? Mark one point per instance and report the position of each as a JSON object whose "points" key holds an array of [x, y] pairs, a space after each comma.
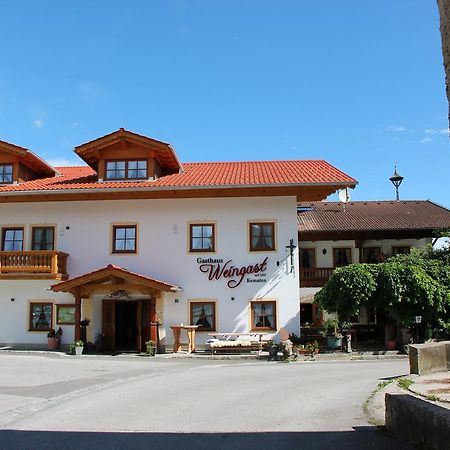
{"points": [[314, 276], [39, 263]]}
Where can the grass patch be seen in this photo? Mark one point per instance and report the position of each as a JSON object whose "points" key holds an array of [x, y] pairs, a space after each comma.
{"points": [[381, 385], [405, 383], [433, 398]]}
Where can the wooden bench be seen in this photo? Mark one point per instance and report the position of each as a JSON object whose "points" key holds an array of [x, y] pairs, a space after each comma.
{"points": [[231, 342]]}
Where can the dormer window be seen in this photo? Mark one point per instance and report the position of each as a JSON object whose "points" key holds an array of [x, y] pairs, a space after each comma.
{"points": [[126, 170], [6, 173]]}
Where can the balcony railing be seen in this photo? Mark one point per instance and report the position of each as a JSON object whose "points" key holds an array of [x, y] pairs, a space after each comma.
{"points": [[33, 264], [314, 276]]}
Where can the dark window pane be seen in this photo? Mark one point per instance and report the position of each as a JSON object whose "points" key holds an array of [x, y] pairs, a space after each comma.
{"points": [[202, 237], [262, 236]]}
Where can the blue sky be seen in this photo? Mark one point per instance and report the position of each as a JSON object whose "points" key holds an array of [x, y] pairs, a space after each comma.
{"points": [[358, 83]]}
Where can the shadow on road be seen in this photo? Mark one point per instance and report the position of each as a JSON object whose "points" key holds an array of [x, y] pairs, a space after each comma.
{"points": [[362, 438]]}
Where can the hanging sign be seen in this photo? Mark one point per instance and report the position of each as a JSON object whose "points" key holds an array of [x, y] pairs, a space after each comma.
{"points": [[217, 269]]}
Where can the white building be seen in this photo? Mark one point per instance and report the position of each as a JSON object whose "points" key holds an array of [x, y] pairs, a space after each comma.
{"points": [[135, 237]]}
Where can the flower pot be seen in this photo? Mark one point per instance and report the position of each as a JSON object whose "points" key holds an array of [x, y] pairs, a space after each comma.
{"points": [[333, 342], [391, 345], [53, 343], [79, 351]]}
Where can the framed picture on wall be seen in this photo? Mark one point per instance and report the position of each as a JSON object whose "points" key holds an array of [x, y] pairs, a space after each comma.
{"points": [[65, 314]]}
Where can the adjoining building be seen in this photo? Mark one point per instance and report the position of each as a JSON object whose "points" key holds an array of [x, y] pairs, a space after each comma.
{"points": [[136, 242], [335, 234]]}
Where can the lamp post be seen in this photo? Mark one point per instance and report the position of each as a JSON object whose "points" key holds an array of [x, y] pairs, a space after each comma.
{"points": [[396, 180]]}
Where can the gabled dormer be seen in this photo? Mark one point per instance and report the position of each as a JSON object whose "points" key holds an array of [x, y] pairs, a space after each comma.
{"points": [[18, 164], [123, 155]]}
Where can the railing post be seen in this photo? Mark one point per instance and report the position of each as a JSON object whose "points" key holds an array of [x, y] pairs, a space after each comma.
{"points": [[54, 265]]}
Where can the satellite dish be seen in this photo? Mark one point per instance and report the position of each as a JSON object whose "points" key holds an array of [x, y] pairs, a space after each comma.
{"points": [[344, 196]]}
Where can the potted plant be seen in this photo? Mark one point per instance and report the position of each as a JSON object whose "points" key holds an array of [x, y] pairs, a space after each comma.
{"points": [[53, 339], [76, 348], [309, 348], [272, 348], [150, 348], [330, 331]]}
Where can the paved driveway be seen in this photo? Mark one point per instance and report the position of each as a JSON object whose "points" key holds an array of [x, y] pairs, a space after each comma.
{"points": [[50, 401]]}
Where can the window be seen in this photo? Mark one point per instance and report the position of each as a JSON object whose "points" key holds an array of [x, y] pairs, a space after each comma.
{"points": [[6, 173], [124, 239], [342, 256], [41, 315], [126, 170], [43, 238], [371, 255], [307, 258], [262, 236], [203, 314], [12, 239], [263, 315], [202, 237], [401, 250]]}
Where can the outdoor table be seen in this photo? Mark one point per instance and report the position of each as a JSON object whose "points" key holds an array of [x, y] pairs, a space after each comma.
{"points": [[190, 330]]}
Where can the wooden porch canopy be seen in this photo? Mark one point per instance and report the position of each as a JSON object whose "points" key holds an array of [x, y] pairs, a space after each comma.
{"points": [[108, 279]]}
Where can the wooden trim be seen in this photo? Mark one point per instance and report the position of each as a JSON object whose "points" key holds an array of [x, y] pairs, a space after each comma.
{"points": [[361, 251], [30, 315], [272, 222], [11, 164], [302, 194], [314, 249], [42, 226], [214, 236], [6, 228], [126, 161], [113, 228], [190, 303], [341, 248], [275, 325]]}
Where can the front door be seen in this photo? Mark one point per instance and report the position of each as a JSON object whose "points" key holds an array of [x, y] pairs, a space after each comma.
{"points": [[128, 325], [146, 317]]}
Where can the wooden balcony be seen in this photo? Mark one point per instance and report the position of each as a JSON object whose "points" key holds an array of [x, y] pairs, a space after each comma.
{"points": [[39, 264], [314, 276]]}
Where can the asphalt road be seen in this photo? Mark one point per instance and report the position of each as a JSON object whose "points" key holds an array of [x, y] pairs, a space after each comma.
{"points": [[49, 401]]}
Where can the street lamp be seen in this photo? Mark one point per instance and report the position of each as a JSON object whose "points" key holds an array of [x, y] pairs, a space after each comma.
{"points": [[396, 180]]}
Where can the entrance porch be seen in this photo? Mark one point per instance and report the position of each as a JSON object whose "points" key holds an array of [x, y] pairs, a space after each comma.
{"points": [[122, 306]]}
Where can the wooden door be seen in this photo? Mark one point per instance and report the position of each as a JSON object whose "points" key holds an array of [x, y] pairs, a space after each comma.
{"points": [[109, 324], [146, 316]]}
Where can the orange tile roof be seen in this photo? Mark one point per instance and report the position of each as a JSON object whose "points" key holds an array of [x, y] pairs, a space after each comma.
{"points": [[200, 175]]}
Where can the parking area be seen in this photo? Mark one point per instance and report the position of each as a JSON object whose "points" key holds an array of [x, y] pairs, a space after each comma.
{"points": [[162, 400]]}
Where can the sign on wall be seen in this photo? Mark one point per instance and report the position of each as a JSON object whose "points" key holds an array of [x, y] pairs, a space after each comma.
{"points": [[217, 269]]}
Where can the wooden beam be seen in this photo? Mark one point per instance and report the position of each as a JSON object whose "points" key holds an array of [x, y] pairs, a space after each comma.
{"points": [[77, 296]]}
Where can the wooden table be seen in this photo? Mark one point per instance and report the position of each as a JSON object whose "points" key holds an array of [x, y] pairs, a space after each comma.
{"points": [[190, 330]]}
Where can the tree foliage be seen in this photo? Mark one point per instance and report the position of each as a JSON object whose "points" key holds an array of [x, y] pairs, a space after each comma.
{"points": [[404, 286]]}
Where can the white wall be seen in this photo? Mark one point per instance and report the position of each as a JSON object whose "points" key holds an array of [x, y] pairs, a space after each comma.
{"points": [[15, 314], [84, 232], [326, 260]]}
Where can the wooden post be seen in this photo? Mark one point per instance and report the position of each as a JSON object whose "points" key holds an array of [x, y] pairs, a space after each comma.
{"points": [[54, 264], [77, 315]]}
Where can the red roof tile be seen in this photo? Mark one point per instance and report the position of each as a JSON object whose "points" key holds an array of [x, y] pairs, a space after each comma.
{"points": [[372, 216], [200, 175]]}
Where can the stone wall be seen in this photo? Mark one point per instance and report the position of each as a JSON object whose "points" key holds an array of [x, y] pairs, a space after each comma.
{"points": [[429, 358], [422, 423]]}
